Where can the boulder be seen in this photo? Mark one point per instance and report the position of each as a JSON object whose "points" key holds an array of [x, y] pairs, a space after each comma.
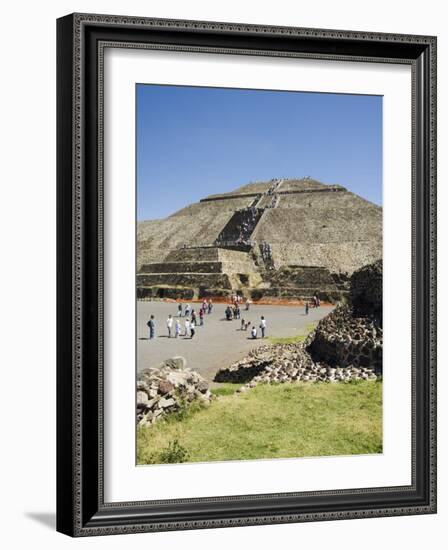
{"points": [[177, 362], [165, 388]]}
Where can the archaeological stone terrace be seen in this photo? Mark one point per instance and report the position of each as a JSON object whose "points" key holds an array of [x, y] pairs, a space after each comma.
{"points": [[283, 238]]}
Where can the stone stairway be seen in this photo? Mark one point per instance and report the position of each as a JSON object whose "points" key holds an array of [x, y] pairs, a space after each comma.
{"points": [[239, 229]]}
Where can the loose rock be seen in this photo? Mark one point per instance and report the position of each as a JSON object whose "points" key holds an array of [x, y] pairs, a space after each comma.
{"points": [[164, 389]]}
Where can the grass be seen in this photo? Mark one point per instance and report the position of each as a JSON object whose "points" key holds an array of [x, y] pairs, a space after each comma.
{"points": [[270, 421], [296, 339], [226, 388], [287, 339]]}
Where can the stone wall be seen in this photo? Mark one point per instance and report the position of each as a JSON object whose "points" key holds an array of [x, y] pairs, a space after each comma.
{"points": [[296, 276], [161, 292], [182, 267], [353, 334], [283, 363], [343, 340], [192, 280], [366, 290], [209, 254], [197, 267], [337, 257]]}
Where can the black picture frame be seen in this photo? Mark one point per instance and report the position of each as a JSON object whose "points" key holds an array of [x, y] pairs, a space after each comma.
{"points": [[81, 510]]}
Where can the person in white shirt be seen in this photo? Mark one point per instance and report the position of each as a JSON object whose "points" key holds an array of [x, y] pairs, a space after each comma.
{"points": [[192, 328], [254, 332], [177, 328], [169, 325], [262, 326], [187, 327]]}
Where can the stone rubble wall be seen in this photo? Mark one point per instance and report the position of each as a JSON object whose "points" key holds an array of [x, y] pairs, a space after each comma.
{"points": [[167, 388], [366, 290], [193, 280], [298, 293], [182, 267], [337, 257], [172, 293], [282, 363], [209, 254], [353, 334], [194, 267], [302, 276], [342, 340]]}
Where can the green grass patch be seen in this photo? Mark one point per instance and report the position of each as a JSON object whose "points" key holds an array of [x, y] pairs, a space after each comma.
{"points": [[270, 421], [226, 388], [287, 339], [296, 339]]}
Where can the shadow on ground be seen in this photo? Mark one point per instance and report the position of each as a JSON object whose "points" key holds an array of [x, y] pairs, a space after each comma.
{"points": [[47, 519]]}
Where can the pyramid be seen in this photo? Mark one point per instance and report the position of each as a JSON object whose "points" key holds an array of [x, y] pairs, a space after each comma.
{"points": [[285, 238]]}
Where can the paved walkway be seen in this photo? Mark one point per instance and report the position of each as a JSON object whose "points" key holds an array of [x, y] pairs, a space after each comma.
{"points": [[219, 342]]}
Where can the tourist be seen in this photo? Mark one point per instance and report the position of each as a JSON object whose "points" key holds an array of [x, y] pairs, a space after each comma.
{"points": [[204, 305], [192, 327], [307, 307], [152, 327], [262, 326], [253, 332], [187, 310], [193, 317], [247, 304], [187, 327], [237, 312], [247, 325], [201, 317], [210, 306], [177, 328], [179, 310], [169, 325], [228, 313], [243, 324]]}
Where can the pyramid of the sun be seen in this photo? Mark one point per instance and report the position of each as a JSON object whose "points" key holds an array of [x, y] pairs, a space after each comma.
{"points": [[285, 237]]}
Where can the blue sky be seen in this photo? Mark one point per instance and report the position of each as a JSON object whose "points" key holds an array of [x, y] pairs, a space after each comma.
{"points": [[193, 142]]}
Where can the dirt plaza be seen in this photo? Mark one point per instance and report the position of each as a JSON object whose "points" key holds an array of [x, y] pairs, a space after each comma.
{"points": [[218, 342]]}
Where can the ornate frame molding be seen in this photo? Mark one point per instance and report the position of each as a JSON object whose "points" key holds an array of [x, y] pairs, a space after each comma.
{"points": [[81, 42]]}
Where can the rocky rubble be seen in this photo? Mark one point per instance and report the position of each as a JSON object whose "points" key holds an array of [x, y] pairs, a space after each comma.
{"points": [[342, 339], [168, 387], [353, 334], [287, 363], [366, 291]]}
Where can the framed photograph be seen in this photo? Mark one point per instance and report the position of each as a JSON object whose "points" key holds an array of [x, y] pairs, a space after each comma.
{"points": [[246, 274]]}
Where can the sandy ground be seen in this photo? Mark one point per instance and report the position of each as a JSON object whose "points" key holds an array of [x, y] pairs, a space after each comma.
{"points": [[219, 342]]}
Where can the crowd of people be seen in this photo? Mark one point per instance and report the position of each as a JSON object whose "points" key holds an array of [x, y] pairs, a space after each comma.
{"points": [[193, 318], [240, 228]]}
